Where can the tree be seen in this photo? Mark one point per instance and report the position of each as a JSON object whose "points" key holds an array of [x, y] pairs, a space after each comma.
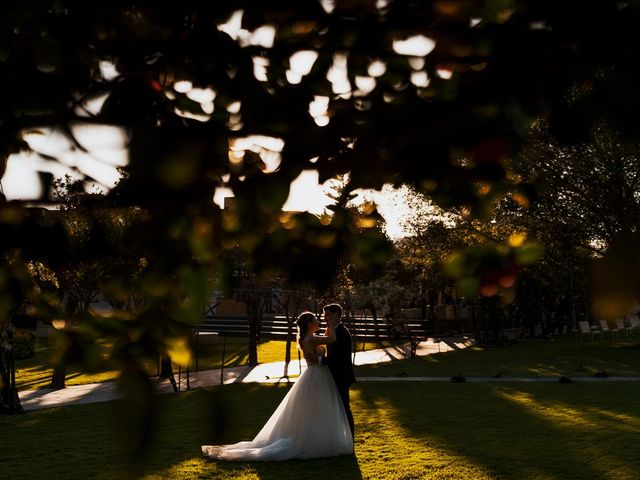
{"points": [[586, 206], [12, 301], [96, 255], [20, 292], [587, 210], [481, 258], [436, 235]]}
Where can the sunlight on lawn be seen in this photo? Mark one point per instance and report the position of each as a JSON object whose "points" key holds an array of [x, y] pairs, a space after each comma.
{"points": [[203, 468], [630, 423], [561, 415], [586, 422], [568, 417], [387, 449], [481, 431]]}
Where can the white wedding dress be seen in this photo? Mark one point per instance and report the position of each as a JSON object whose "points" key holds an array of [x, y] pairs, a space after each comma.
{"points": [[310, 422]]}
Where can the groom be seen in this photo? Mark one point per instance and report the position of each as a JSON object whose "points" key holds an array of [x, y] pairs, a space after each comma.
{"points": [[339, 357]]}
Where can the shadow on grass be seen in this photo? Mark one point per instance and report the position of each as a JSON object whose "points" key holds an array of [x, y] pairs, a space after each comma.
{"points": [[346, 467], [92, 441], [533, 431]]}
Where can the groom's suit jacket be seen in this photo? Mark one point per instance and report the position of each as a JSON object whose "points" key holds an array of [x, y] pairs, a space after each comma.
{"points": [[339, 358]]}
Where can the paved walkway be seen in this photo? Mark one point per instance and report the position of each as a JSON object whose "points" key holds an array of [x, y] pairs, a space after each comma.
{"points": [[274, 373], [264, 373]]}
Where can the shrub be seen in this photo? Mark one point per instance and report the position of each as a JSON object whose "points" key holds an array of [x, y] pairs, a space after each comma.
{"points": [[24, 344]]}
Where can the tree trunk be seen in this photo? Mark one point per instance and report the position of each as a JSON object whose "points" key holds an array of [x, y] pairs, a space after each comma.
{"points": [[166, 371], [58, 379], [9, 399], [474, 320], [497, 316], [433, 298]]}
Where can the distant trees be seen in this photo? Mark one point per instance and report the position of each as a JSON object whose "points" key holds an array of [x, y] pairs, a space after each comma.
{"points": [[587, 212]]}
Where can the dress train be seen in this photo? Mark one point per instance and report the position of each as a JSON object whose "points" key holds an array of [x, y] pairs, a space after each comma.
{"points": [[310, 422]]}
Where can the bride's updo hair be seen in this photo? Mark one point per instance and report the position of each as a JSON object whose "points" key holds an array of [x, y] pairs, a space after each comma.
{"points": [[302, 322]]}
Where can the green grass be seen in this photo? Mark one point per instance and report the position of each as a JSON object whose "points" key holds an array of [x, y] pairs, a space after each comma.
{"points": [[404, 431], [528, 358], [34, 373]]}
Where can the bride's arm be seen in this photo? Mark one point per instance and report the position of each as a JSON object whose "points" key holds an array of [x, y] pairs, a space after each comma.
{"points": [[326, 339], [328, 330]]}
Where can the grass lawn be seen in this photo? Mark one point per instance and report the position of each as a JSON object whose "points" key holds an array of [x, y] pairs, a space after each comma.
{"points": [[36, 372], [528, 358], [404, 431]]}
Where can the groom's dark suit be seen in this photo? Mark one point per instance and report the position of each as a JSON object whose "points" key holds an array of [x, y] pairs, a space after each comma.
{"points": [[339, 361]]}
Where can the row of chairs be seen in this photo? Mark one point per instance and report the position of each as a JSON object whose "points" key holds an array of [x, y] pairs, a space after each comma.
{"points": [[628, 325]]}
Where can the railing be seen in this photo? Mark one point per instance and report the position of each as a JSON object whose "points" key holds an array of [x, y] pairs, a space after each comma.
{"points": [[275, 326]]}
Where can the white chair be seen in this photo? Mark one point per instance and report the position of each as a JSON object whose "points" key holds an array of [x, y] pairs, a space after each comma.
{"points": [[634, 323], [622, 327], [585, 328], [604, 327]]}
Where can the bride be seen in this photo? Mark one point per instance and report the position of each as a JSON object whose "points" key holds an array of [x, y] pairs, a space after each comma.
{"points": [[310, 422]]}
